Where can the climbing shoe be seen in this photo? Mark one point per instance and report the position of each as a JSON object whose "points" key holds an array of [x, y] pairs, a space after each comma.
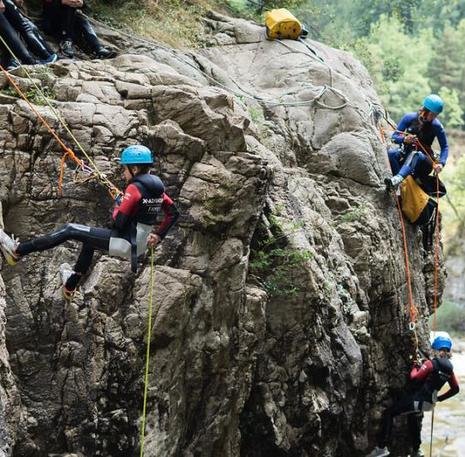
{"points": [[393, 183], [418, 453], [51, 59], [13, 64], [379, 452], [105, 53], [66, 272], [67, 48], [8, 247]]}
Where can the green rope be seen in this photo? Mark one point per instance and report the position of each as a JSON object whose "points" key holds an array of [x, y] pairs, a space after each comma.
{"points": [[147, 355], [431, 436]]}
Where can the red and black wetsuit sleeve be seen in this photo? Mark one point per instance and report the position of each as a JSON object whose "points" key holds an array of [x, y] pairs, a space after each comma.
{"points": [[171, 215], [421, 373], [453, 388]]}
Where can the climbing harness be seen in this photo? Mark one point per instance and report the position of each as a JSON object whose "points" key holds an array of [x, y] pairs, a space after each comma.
{"points": [[90, 170], [147, 354]]}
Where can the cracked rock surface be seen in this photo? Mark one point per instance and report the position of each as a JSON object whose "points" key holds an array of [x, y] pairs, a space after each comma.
{"points": [[280, 323]]}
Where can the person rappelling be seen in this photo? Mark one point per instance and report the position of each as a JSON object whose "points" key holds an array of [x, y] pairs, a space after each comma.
{"points": [[415, 135], [134, 218], [426, 380]]}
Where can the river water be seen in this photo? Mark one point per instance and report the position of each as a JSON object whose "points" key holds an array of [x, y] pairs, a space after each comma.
{"points": [[449, 420]]}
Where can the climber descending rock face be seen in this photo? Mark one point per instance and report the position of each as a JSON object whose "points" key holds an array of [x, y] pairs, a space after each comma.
{"points": [[134, 215], [427, 379]]}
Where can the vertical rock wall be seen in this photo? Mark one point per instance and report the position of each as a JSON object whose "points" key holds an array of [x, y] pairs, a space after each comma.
{"points": [[280, 320]]}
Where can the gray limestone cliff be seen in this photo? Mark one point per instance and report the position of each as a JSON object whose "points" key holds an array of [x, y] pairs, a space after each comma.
{"points": [[280, 322]]}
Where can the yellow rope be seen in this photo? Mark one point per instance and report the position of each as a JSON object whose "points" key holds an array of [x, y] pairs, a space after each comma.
{"points": [[147, 355], [99, 175]]}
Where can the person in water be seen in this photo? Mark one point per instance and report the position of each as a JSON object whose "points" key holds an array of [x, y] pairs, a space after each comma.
{"points": [[134, 219]]}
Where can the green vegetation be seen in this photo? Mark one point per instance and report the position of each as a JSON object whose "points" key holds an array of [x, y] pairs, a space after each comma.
{"points": [[272, 263], [33, 95], [353, 215], [449, 317]]}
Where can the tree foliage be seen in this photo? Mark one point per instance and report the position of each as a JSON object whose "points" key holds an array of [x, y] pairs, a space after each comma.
{"points": [[410, 48]]}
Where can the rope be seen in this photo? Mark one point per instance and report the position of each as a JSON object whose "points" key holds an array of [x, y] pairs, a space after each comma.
{"points": [[413, 311], [147, 354], [431, 434], [436, 257], [113, 190]]}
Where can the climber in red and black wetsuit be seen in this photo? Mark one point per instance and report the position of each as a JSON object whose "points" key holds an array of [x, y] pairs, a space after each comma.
{"points": [[134, 217], [427, 378]]}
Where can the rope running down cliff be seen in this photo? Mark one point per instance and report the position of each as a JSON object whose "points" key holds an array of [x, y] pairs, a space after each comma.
{"points": [[68, 153]]}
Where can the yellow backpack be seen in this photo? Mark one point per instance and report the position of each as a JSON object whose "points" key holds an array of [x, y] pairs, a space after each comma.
{"points": [[280, 23], [417, 205]]}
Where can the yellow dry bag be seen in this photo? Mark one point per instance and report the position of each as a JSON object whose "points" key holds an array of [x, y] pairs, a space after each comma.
{"points": [[280, 23], [417, 205]]}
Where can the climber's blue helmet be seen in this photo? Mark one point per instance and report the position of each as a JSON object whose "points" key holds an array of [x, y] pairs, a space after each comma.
{"points": [[136, 155], [433, 103], [442, 342]]}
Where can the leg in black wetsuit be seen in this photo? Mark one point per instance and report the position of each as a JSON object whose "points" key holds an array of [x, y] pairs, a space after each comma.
{"points": [[8, 33], [28, 30], [403, 405], [90, 237]]}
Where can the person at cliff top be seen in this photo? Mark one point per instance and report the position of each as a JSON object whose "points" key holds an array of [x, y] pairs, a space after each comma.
{"points": [[134, 216], [427, 379], [64, 19], [415, 135], [13, 24]]}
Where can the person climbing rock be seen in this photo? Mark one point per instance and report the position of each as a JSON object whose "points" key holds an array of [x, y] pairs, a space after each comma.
{"points": [[426, 381], [64, 19], [415, 135], [15, 24], [134, 216]]}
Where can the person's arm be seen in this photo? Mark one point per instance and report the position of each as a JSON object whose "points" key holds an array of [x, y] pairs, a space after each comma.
{"points": [[398, 136], [454, 389], [442, 139], [122, 213], [421, 373], [171, 215]]}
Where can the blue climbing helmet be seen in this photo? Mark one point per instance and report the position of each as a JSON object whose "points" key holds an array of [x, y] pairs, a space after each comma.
{"points": [[433, 103], [442, 342], [136, 155]]}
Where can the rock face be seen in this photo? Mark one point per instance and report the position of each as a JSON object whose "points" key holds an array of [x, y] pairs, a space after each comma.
{"points": [[280, 318]]}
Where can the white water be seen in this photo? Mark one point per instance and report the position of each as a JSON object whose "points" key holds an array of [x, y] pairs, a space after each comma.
{"points": [[449, 420]]}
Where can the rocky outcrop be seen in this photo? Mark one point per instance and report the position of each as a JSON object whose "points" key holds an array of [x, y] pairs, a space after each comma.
{"points": [[279, 305]]}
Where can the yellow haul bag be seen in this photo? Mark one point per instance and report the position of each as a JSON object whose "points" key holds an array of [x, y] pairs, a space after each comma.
{"points": [[414, 201], [280, 23]]}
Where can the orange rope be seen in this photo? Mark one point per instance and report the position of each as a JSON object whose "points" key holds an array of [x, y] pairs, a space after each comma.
{"points": [[68, 153], [66, 149], [413, 311], [436, 256]]}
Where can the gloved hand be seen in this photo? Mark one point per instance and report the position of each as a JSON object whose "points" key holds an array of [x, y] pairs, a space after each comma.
{"points": [[118, 199], [437, 168], [410, 139]]}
